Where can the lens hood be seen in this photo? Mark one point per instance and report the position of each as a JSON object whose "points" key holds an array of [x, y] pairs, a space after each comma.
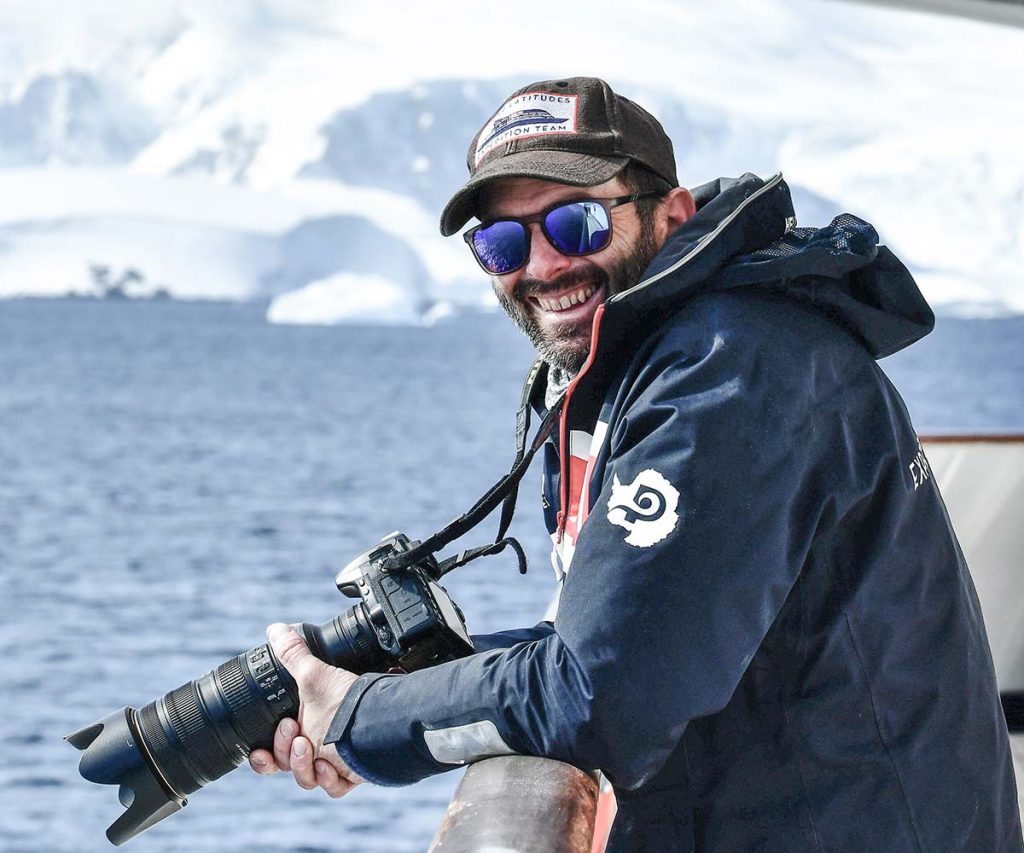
{"points": [[114, 754]]}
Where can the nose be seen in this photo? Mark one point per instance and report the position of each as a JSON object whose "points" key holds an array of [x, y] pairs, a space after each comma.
{"points": [[545, 261]]}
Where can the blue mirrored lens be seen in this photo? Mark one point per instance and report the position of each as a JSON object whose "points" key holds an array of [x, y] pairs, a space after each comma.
{"points": [[501, 246], [578, 228]]}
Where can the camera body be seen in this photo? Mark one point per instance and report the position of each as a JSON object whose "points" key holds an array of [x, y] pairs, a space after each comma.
{"points": [[196, 733], [405, 619]]}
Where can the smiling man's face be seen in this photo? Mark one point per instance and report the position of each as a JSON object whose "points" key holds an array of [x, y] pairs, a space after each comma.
{"points": [[535, 295]]}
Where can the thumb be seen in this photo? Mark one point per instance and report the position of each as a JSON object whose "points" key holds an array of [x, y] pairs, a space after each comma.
{"points": [[289, 647], [316, 679]]}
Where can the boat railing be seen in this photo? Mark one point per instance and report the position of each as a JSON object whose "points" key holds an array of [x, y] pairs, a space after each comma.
{"points": [[520, 804]]}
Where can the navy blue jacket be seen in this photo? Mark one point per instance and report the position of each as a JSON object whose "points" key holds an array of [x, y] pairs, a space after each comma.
{"points": [[767, 636]]}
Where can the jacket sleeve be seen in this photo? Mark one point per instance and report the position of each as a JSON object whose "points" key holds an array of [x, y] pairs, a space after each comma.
{"points": [[658, 618], [507, 639]]}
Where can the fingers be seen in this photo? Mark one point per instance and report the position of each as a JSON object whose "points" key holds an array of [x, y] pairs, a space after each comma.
{"points": [[321, 690], [284, 740], [294, 752], [329, 779], [262, 762], [302, 763]]}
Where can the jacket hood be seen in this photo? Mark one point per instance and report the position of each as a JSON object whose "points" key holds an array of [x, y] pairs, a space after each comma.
{"points": [[743, 235]]}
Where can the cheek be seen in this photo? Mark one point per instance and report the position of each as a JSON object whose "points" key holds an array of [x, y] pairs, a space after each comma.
{"points": [[506, 296], [622, 243], [507, 288], [501, 290]]}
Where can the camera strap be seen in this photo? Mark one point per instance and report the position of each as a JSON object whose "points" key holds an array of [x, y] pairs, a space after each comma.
{"points": [[505, 491]]}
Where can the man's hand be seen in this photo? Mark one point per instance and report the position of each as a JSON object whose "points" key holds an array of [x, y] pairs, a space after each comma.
{"points": [[299, 745]]}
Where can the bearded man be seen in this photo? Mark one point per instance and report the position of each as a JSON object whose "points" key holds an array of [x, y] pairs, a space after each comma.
{"points": [[767, 637]]}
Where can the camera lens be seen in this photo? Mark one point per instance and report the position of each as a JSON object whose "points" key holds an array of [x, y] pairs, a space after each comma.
{"points": [[205, 728], [198, 732], [349, 641]]}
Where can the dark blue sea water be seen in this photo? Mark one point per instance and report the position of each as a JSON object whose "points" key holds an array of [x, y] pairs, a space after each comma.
{"points": [[173, 477]]}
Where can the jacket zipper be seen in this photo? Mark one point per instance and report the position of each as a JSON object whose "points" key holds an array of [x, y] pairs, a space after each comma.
{"points": [[563, 435]]}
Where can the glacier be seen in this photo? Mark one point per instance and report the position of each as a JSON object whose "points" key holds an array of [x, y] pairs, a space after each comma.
{"points": [[353, 298], [296, 152]]}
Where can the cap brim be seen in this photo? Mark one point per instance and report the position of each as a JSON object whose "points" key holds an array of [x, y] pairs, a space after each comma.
{"points": [[563, 167]]}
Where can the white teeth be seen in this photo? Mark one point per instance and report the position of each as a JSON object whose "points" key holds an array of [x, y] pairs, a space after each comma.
{"points": [[581, 295]]}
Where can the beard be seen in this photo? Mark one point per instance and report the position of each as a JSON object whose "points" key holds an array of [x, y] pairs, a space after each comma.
{"points": [[567, 345]]}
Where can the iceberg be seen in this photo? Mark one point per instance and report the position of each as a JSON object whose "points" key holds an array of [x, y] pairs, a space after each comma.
{"points": [[348, 298]]}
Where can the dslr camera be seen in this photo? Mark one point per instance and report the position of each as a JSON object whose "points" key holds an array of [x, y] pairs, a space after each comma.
{"points": [[158, 755]]}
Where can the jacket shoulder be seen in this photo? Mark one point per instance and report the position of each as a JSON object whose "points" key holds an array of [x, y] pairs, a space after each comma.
{"points": [[755, 332]]}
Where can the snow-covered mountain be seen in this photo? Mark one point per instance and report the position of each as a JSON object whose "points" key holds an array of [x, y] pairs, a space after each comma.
{"points": [[73, 118], [240, 149]]}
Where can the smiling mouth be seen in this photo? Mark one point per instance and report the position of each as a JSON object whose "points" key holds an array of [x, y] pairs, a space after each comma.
{"points": [[565, 301]]}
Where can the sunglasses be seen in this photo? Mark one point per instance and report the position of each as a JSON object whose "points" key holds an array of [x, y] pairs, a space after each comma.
{"points": [[574, 228]]}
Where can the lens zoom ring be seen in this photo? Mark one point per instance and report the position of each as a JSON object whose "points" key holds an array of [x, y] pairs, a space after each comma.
{"points": [[196, 734], [159, 747], [250, 719]]}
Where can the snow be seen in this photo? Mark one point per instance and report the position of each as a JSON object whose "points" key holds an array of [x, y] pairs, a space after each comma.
{"points": [[345, 298], [198, 239], [188, 261], [228, 126]]}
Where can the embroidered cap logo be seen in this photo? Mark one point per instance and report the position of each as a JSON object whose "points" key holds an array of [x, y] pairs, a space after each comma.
{"points": [[526, 115], [646, 508]]}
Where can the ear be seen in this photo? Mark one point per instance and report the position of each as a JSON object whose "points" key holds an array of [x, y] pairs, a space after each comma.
{"points": [[676, 207]]}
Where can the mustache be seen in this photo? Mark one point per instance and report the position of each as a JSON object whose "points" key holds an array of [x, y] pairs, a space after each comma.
{"points": [[535, 287]]}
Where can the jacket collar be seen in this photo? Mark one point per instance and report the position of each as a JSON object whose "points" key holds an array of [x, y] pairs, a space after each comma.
{"points": [[734, 217]]}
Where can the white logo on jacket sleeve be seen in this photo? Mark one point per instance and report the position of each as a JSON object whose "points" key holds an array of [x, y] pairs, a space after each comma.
{"points": [[646, 508]]}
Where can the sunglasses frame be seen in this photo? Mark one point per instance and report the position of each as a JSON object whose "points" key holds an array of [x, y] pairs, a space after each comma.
{"points": [[524, 221]]}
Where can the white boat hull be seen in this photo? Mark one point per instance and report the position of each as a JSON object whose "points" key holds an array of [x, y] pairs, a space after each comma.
{"points": [[982, 483]]}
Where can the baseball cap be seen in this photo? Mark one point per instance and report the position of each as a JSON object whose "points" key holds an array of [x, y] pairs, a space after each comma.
{"points": [[574, 131]]}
